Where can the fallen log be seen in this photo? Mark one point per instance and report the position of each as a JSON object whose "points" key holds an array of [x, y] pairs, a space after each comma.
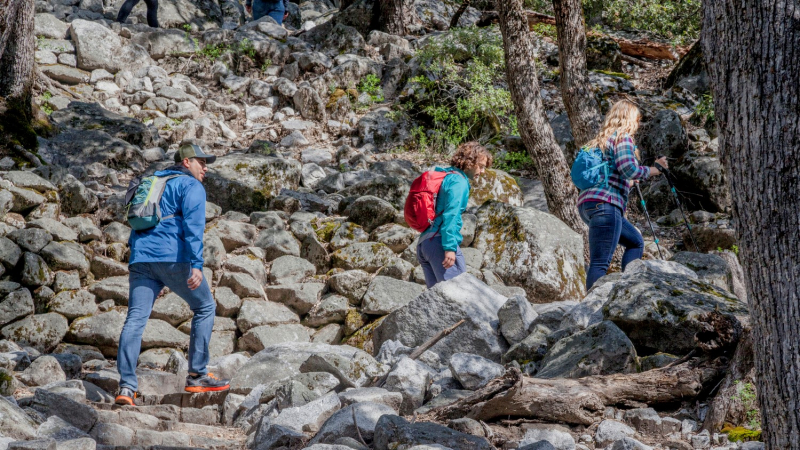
{"points": [[582, 401]]}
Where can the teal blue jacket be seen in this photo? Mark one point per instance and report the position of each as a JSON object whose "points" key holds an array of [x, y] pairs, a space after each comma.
{"points": [[450, 204]]}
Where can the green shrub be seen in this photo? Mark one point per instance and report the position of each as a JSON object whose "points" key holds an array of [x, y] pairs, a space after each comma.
{"points": [[464, 95], [677, 20], [513, 161], [213, 51], [705, 108], [371, 85], [746, 394]]}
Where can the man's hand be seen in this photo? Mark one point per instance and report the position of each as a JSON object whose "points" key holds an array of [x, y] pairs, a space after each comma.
{"points": [[449, 259], [249, 9], [195, 280], [285, 15]]}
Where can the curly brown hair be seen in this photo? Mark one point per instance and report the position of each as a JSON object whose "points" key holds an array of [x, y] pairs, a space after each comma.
{"points": [[469, 153]]}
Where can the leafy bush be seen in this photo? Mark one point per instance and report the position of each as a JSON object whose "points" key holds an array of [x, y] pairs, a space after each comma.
{"points": [[464, 96], [678, 20], [513, 161], [213, 51], [705, 108], [746, 394], [371, 85]]}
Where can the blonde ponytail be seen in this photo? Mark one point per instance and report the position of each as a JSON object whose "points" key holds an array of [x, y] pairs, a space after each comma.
{"points": [[622, 118]]}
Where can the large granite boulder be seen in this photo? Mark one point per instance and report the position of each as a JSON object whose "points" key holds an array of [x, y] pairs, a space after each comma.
{"points": [[392, 430], [662, 312], [701, 178], [438, 308], [91, 116], [496, 185], [42, 331], [664, 134], [282, 362], [96, 46], [601, 349], [246, 183], [531, 249]]}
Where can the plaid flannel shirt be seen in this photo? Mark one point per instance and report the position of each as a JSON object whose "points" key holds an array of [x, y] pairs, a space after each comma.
{"points": [[622, 168]]}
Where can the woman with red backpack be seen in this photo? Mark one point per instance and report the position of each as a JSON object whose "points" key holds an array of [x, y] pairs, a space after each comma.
{"points": [[438, 249], [602, 206]]}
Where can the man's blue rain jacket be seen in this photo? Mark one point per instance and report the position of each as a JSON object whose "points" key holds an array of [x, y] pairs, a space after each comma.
{"points": [[450, 204], [179, 239]]}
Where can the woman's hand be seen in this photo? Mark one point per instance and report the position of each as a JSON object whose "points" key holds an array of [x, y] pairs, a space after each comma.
{"points": [[661, 162], [449, 259]]}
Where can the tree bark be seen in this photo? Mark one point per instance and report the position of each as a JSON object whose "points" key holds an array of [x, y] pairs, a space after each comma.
{"points": [[534, 128], [752, 51], [393, 16], [459, 13], [16, 49], [582, 401], [577, 92]]}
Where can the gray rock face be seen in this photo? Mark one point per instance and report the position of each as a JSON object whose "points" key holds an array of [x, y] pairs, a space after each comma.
{"points": [[18, 303], [703, 176], [371, 394], [43, 370], [162, 42], [495, 185], [271, 436], [709, 268], [311, 416], [233, 234], [255, 313], [114, 288], [366, 256], [371, 212], [290, 269], [610, 431], [341, 424], [332, 309], [394, 236], [59, 231], [554, 434], [242, 285], [97, 47], [15, 423], [31, 239], [246, 183], [664, 134], [385, 295], [410, 378], [258, 338], [598, 350], [353, 284], [533, 250], [660, 312], [82, 417], [283, 361], [463, 297], [516, 317], [392, 189], [42, 331], [35, 271], [86, 117], [473, 371], [171, 309], [277, 243], [64, 257], [301, 297], [10, 253], [392, 428]]}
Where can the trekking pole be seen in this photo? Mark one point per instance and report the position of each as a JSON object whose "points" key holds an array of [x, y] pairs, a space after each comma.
{"points": [[668, 176], [653, 231]]}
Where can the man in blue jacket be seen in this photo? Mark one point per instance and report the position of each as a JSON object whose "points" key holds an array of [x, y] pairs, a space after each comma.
{"points": [[438, 250], [171, 254]]}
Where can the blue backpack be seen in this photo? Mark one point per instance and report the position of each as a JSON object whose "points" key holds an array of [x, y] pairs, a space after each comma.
{"points": [[590, 169]]}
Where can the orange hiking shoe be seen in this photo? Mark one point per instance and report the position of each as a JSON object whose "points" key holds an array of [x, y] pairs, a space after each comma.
{"points": [[206, 383], [126, 397]]}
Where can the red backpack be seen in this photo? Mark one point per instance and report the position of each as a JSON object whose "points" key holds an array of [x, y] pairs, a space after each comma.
{"points": [[420, 209]]}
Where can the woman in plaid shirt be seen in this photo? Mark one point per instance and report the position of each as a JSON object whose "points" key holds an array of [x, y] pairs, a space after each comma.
{"points": [[602, 207]]}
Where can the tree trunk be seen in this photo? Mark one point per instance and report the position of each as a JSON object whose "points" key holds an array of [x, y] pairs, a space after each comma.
{"points": [[534, 129], [578, 95], [393, 16], [459, 13], [752, 51], [16, 49], [583, 401]]}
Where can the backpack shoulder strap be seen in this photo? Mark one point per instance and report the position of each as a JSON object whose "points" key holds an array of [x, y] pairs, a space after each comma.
{"points": [[166, 179]]}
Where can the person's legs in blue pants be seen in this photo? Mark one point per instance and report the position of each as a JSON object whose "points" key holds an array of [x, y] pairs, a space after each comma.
{"points": [[144, 289], [632, 240], [605, 226], [430, 255], [271, 8], [201, 302]]}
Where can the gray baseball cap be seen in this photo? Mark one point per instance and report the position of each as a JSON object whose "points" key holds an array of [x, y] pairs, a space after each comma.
{"points": [[193, 151]]}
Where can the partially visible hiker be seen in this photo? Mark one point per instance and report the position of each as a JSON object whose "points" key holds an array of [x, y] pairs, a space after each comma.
{"points": [[171, 254], [152, 11], [438, 249], [602, 207], [277, 9]]}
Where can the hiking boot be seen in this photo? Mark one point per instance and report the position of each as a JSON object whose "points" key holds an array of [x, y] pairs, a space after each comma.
{"points": [[126, 396], [206, 383]]}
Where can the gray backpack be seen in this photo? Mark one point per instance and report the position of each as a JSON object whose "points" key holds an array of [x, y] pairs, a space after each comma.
{"points": [[142, 201]]}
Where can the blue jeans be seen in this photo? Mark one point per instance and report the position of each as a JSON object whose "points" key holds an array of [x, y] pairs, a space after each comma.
{"points": [[146, 281], [607, 228], [272, 8], [430, 255]]}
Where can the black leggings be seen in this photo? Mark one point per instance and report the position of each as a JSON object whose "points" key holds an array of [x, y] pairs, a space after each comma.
{"points": [[152, 11]]}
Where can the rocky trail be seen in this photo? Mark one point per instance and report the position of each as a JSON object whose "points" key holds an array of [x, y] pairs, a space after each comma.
{"points": [[320, 300]]}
